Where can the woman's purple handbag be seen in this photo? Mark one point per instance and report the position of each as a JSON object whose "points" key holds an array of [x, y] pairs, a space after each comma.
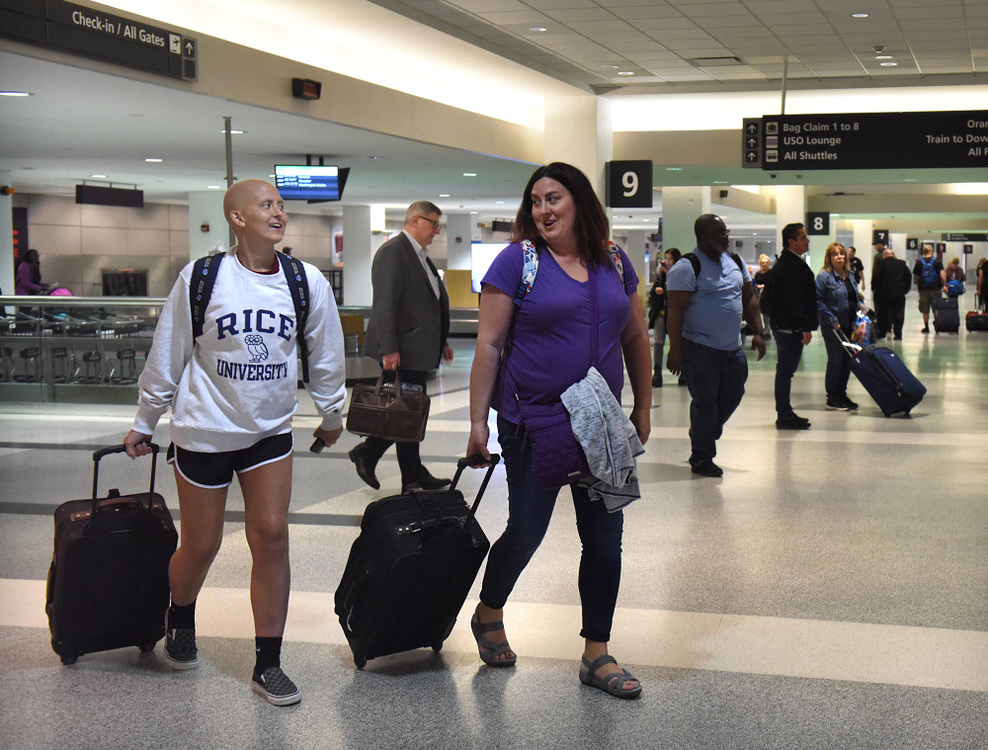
{"points": [[557, 458]]}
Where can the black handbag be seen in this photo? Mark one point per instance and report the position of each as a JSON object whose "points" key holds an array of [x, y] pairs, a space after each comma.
{"points": [[389, 411]]}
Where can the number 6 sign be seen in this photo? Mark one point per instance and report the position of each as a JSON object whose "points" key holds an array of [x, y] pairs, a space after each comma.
{"points": [[629, 184]]}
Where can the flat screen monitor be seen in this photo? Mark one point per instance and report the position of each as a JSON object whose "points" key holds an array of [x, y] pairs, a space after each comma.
{"points": [[298, 182], [482, 254]]}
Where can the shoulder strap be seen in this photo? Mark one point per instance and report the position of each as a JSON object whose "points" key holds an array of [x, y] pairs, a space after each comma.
{"points": [[201, 289], [530, 267], [694, 261], [298, 285]]}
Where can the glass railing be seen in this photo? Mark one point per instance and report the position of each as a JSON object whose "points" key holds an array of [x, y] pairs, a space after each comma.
{"points": [[74, 349], [92, 349]]}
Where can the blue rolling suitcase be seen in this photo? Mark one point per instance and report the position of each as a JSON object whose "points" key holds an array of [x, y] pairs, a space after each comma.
{"points": [[886, 378]]}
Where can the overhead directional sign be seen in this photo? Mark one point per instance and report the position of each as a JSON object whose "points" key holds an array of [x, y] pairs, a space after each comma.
{"points": [[751, 143], [896, 140], [91, 32]]}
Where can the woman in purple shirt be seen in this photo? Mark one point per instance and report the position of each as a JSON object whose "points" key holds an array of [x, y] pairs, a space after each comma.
{"points": [[550, 351], [29, 274]]}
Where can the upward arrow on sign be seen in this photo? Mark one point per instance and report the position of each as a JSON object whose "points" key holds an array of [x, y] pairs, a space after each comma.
{"points": [[752, 129]]}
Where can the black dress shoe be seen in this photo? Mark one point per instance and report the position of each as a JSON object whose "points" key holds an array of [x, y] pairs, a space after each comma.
{"points": [[792, 422], [425, 482], [657, 380], [708, 469], [365, 469]]}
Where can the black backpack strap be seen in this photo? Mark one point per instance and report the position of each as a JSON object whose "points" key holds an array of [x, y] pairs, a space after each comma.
{"points": [[695, 262], [201, 288], [298, 285], [738, 261]]}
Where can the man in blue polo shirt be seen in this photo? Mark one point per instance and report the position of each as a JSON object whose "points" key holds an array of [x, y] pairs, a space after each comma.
{"points": [[703, 322]]}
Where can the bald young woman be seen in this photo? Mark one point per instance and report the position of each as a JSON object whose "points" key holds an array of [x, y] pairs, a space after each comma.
{"points": [[232, 392]]}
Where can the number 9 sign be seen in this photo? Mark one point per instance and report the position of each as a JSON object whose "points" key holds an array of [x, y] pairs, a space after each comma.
{"points": [[629, 184]]}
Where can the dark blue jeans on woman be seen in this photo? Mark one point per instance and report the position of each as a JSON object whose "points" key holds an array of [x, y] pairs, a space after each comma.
{"points": [[529, 510], [838, 364]]}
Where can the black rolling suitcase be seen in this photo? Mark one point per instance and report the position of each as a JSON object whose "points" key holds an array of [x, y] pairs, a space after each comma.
{"points": [[946, 316], [108, 580], [410, 570]]}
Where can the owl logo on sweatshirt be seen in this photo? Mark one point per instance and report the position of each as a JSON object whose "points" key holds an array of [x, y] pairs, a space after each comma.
{"points": [[255, 345]]}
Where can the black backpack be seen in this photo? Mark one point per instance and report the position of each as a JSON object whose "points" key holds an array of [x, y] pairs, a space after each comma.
{"points": [[201, 289]]}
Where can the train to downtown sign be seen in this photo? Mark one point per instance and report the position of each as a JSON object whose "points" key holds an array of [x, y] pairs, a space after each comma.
{"points": [[897, 140]]}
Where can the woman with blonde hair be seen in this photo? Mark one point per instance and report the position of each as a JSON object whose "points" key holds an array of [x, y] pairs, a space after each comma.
{"points": [[837, 308]]}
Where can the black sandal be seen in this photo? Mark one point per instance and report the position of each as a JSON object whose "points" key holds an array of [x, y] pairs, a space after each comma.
{"points": [[490, 651], [614, 683]]}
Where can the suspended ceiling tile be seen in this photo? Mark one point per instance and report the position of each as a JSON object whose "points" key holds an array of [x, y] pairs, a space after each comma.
{"points": [[666, 24], [733, 22], [936, 11], [681, 34], [545, 5], [489, 6], [530, 17], [572, 15], [710, 10], [763, 7], [646, 12]]}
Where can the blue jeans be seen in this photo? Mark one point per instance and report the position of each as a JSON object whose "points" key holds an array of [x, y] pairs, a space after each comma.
{"points": [[790, 348], [529, 510], [838, 364], [716, 381]]}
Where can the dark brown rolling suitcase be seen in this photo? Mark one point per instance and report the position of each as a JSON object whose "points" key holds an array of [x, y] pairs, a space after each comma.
{"points": [[410, 570], [108, 580]]}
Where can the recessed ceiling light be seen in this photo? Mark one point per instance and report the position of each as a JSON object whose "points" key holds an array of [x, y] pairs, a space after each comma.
{"points": [[611, 67], [720, 182], [469, 174], [98, 176], [889, 65], [626, 72], [860, 15], [153, 160], [16, 93], [234, 131], [213, 187], [674, 169], [444, 195], [883, 57], [375, 157], [499, 201], [538, 28]]}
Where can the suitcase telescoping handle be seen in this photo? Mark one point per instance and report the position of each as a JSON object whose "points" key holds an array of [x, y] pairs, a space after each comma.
{"points": [[471, 461], [98, 455], [849, 347]]}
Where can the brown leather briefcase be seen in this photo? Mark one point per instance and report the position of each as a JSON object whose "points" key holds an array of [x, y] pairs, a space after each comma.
{"points": [[388, 411]]}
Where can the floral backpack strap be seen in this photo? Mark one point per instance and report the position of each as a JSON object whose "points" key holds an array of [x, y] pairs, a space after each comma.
{"points": [[530, 267], [615, 254]]}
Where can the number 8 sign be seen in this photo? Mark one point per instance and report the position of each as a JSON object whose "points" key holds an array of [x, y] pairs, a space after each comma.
{"points": [[818, 223]]}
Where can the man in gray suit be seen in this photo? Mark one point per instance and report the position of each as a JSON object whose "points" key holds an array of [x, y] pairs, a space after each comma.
{"points": [[407, 332]]}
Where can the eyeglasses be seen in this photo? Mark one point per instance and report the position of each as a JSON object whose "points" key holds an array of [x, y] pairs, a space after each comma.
{"points": [[435, 224], [720, 233]]}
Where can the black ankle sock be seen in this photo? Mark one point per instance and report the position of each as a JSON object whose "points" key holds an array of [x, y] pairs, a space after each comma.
{"points": [[182, 617], [268, 652]]}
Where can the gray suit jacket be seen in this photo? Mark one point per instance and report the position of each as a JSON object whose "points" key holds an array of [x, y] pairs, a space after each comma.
{"points": [[406, 317]]}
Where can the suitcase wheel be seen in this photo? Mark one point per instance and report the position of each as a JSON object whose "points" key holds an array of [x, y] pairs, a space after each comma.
{"points": [[67, 660], [360, 661], [437, 647], [147, 648]]}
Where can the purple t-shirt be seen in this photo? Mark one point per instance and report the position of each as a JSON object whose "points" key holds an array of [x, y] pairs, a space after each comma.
{"points": [[551, 346]]}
